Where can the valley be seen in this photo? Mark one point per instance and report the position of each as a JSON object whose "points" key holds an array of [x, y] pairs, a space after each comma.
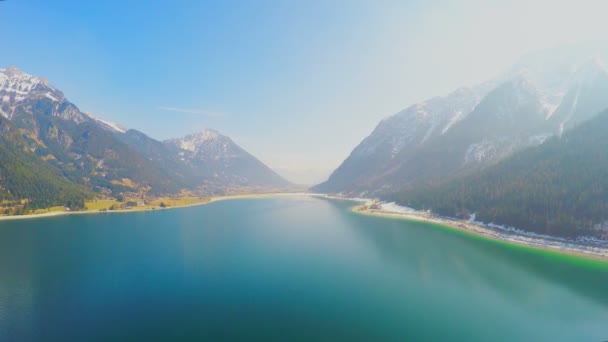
{"points": [[57, 156]]}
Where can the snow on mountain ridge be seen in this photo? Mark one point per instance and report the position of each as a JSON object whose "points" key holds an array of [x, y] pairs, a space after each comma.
{"points": [[585, 96], [421, 121], [193, 142], [18, 87], [112, 126], [457, 116], [208, 134], [15, 81]]}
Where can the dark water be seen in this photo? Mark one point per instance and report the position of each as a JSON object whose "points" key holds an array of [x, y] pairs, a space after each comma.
{"points": [[285, 269]]}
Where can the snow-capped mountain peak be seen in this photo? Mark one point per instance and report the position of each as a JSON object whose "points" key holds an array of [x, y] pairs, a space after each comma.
{"points": [[112, 126], [13, 80], [18, 88], [208, 134], [193, 142]]}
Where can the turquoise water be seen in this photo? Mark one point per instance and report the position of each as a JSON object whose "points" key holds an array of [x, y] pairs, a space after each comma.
{"points": [[285, 269]]}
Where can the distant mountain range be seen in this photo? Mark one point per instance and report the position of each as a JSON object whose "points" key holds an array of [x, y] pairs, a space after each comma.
{"points": [[61, 145], [525, 149]]}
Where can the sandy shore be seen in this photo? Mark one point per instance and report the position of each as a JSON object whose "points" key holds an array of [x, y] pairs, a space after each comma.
{"points": [[556, 245], [204, 201]]}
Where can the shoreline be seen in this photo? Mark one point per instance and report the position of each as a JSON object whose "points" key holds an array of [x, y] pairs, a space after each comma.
{"points": [[204, 201], [565, 247]]}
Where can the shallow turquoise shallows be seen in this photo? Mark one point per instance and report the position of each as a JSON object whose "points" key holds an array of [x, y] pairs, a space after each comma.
{"points": [[286, 269]]}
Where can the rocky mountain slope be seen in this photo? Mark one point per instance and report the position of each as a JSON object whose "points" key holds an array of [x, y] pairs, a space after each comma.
{"points": [[473, 128], [218, 159]]}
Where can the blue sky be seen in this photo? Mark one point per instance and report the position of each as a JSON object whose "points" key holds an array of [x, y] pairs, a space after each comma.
{"points": [[297, 83]]}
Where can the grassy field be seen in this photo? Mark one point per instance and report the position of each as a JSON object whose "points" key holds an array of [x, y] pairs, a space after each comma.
{"points": [[49, 210], [128, 204], [102, 204], [179, 202], [97, 205]]}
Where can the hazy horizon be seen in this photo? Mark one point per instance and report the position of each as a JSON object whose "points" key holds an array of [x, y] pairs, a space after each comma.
{"points": [[300, 97]]}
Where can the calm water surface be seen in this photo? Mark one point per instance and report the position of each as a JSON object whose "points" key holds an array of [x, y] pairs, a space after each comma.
{"points": [[285, 269]]}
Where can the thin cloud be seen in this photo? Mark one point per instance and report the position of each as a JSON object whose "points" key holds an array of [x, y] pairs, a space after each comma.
{"points": [[189, 111]]}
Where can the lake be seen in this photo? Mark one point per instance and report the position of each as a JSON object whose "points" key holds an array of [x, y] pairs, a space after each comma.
{"points": [[296, 268]]}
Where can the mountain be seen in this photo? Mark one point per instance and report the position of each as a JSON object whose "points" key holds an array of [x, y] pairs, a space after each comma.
{"points": [[23, 94], [89, 152], [398, 137], [163, 156], [585, 97], [509, 118], [557, 188], [473, 128], [27, 182], [81, 146], [205, 162], [218, 160]]}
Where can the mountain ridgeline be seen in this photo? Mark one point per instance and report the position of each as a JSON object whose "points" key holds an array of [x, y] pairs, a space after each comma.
{"points": [[54, 154], [218, 159], [505, 149]]}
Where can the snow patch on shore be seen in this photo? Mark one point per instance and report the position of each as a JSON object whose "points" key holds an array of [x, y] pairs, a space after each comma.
{"points": [[395, 208], [582, 244]]}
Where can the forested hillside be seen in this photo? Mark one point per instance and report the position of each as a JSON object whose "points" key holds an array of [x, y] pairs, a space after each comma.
{"points": [[26, 179], [558, 188]]}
